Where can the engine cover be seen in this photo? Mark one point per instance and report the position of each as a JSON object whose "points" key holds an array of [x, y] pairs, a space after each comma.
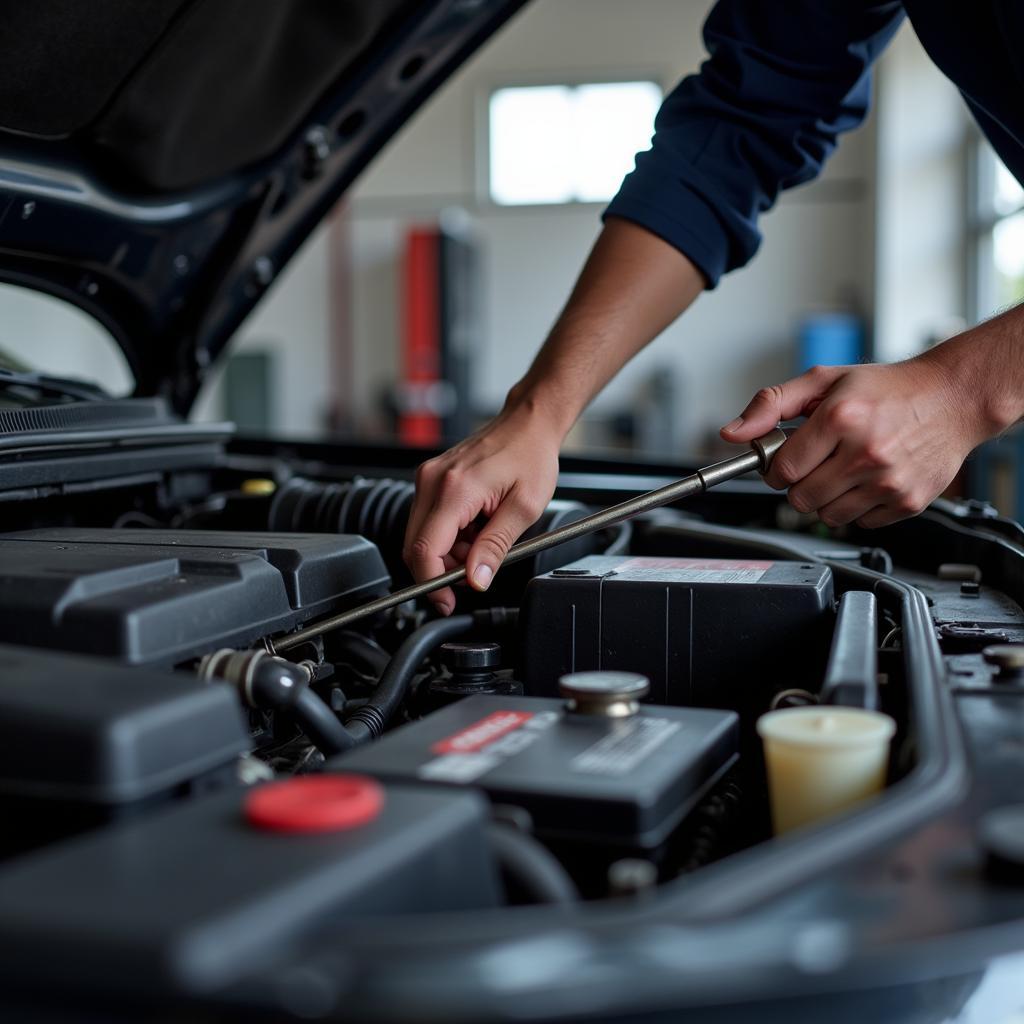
{"points": [[159, 597]]}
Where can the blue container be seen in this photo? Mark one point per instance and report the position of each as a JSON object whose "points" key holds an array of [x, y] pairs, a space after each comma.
{"points": [[830, 339]]}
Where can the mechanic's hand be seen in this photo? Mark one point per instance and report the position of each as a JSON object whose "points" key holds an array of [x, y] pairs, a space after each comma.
{"points": [[506, 474], [880, 443]]}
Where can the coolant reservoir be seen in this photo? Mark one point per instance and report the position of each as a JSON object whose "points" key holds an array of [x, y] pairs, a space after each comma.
{"points": [[822, 760]]}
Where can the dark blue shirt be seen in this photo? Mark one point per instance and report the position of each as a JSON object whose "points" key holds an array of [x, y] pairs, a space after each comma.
{"points": [[783, 79]]}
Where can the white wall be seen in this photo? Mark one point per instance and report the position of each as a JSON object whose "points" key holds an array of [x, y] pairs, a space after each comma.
{"points": [[922, 125], [293, 323], [818, 244]]}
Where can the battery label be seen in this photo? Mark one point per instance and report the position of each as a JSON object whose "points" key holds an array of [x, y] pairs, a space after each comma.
{"points": [[480, 734], [475, 750], [622, 750], [696, 570]]}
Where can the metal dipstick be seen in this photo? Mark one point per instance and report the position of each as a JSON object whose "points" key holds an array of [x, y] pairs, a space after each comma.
{"points": [[762, 451]]}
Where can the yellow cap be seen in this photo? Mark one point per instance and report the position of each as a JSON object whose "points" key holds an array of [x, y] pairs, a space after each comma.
{"points": [[258, 485]]}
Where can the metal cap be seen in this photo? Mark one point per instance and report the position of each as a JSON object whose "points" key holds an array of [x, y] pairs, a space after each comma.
{"points": [[1006, 657], [767, 446], [463, 657], [611, 694]]}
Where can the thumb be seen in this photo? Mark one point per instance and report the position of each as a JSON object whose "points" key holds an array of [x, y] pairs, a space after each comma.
{"points": [[780, 402], [494, 540]]}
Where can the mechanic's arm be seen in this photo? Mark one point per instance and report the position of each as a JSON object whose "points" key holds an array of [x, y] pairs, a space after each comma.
{"points": [[882, 441], [763, 115], [632, 287]]}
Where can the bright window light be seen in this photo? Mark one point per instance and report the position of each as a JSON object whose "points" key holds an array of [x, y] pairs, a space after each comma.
{"points": [[567, 143], [1009, 196]]}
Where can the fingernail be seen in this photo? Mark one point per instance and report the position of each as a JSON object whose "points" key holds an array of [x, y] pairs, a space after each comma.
{"points": [[735, 425], [482, 577], [443, 607]]}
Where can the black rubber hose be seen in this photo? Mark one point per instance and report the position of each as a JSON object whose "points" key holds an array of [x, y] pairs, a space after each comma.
{"points": [[531, 873], [361, 648], [321, 724], [368, 722]]}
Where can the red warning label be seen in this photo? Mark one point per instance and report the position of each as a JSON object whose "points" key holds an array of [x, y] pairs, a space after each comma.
{"points": [[480, 734]]}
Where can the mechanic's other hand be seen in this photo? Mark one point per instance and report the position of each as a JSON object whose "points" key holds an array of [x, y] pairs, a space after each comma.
{"points": [[506, 474], [880, 442]]}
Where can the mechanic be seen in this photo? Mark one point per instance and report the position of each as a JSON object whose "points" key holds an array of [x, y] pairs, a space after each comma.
{"points": [[880, 441]]}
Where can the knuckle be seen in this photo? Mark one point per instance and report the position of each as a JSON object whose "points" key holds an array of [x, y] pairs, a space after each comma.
{"points": [[888, 486], [425, 471], [770, 395], [451, 480], [847, 416], [909, 505], [801, 502], [417, 550], [497, 541], [785, 469], [529, 505], [876, 455]]}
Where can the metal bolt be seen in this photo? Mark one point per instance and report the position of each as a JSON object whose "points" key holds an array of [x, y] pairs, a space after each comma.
{"points": [[262, 272], [316, 150]]}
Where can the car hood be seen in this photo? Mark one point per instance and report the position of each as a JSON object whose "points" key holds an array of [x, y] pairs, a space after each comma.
{"points": [[161, 161]]}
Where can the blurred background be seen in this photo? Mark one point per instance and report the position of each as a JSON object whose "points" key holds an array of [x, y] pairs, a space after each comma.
{"points": [[426, 293]]}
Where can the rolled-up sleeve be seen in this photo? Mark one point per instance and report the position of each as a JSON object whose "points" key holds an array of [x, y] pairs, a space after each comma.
{"points": [[782, 80]]}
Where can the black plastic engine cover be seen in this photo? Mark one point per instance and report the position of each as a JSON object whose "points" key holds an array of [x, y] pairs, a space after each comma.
{"points": [[622, 783], [187, 899], [706, 632], [159, 597], [77, 729]]}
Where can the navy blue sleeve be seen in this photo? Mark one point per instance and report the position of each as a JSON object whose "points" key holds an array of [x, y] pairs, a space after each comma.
{"points": [[783, 79]]}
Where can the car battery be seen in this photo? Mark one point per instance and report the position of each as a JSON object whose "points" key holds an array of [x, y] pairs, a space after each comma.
{"points": [[705, 632], [622, 782]]}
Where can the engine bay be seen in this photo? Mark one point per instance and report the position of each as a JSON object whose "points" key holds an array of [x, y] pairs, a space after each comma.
{"points": [[581, 736]]}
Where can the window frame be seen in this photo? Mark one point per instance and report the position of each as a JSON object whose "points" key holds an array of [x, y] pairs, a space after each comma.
{"points": [[982, 218], [526, 80]]}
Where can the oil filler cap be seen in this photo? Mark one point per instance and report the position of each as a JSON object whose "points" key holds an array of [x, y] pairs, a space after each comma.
{"points": [[609, 694], [315, 804]]}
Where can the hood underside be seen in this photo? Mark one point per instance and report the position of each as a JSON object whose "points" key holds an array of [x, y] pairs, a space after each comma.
{"points": [[160, 161]]}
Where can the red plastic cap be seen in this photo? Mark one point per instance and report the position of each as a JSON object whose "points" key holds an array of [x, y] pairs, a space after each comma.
{"points": [[315, 803]]}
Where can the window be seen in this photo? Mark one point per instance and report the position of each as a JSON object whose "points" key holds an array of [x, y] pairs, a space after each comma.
{"points": [[46, 335], [567, 143], [998, 236]]}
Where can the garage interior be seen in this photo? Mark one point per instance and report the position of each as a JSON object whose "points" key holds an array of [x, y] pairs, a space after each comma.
{"points": [[911, 234]]}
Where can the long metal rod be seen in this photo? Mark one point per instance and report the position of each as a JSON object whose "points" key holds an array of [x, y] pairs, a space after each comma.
{"points": [[762, 450]]}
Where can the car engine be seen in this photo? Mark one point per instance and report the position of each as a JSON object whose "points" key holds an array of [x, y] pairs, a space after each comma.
{"points": [[190, 809]]}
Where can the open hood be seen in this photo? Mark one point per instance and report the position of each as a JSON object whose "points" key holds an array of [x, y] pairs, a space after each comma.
{"points": [[162, 160]]}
